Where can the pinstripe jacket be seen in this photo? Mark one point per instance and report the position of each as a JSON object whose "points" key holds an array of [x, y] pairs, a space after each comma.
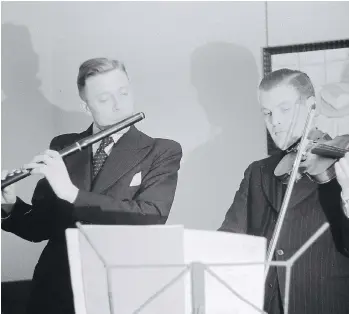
{"points": [[320, 277]]}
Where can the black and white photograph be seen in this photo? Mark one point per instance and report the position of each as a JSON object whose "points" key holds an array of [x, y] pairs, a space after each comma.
{"points": [[178, 157]]}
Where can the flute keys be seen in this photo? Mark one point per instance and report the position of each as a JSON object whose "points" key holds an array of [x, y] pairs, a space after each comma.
{"points": [[16, 172]]}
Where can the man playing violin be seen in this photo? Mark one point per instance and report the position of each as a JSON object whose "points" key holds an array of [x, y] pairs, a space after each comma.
{"points": [[126, 179], [320, 278]]}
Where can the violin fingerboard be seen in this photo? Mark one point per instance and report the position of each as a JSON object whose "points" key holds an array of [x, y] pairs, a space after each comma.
{"points": [[329, 151]]}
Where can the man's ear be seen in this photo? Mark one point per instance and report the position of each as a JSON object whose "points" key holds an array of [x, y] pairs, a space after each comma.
{"points": [[311, 101], [86, 109]]}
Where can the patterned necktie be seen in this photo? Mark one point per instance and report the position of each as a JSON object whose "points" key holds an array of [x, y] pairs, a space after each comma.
{"points": [[100, 156]]}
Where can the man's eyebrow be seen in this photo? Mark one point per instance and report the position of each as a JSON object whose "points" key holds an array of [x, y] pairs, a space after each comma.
{"points": [[102, 93], [285, 102]]}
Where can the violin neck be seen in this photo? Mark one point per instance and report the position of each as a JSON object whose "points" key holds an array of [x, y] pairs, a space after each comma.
{"points": [[329, 151]]}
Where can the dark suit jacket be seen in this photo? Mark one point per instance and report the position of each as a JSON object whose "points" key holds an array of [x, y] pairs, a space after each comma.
{"points": [[110, 200], [320, 278]]}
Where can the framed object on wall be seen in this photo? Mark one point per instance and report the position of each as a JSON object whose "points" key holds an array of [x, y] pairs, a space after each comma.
{"points": [[327, 65]]}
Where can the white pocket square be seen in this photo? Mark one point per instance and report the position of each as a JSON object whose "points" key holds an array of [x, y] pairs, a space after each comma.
{"points": [[137, 179]]}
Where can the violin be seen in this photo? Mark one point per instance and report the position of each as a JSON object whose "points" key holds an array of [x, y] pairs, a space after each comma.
{"points": [[318, 159]]}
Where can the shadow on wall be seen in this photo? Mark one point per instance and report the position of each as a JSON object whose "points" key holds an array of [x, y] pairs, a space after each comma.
{"points": [[226, 77], [29, 121], [27, 116]]}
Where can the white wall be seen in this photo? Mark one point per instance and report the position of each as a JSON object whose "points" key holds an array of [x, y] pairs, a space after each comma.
{"points": [[194, 67]]}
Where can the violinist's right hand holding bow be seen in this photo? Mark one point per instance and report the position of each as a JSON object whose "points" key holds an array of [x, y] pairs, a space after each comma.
{"points": [[8, 195]]}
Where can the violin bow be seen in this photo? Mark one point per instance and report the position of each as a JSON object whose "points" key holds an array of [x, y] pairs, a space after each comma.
{"points": [[290, 185]]}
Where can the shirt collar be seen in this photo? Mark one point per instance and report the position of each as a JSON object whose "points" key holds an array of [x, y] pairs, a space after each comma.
{"points": [[114, 136]]}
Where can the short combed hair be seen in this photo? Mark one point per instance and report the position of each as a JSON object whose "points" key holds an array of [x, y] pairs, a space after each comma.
{"points": [[297, 79], [97, 66]]}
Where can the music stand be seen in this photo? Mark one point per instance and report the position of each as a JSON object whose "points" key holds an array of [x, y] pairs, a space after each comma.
{"points": [[165, 269]]}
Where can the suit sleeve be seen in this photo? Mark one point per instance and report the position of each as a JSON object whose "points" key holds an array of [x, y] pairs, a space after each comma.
{"points": [[236, 217], [151, 204], [33, 222]]}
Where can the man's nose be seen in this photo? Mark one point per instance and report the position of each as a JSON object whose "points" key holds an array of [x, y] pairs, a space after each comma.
{"points": [[275, 119], [115, 103]]}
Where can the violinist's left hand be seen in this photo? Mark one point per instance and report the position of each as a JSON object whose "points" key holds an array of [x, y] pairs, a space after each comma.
{"points": [[342, 173]]}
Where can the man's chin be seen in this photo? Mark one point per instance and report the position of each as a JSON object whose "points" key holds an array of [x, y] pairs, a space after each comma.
{"points": [[281, 144], [108, 125], [102, 127]]}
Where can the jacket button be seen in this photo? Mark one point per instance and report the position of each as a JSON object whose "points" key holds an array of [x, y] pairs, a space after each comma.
{"points": [[280, 252]]}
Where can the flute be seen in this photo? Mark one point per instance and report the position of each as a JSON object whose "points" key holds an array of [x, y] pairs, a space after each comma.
{"points": [[20, 174]]}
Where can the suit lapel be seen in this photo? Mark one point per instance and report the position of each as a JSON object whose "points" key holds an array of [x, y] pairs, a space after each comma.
{"points": [[79, 164], [302, 190], [274, 189], [130, 149]]}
